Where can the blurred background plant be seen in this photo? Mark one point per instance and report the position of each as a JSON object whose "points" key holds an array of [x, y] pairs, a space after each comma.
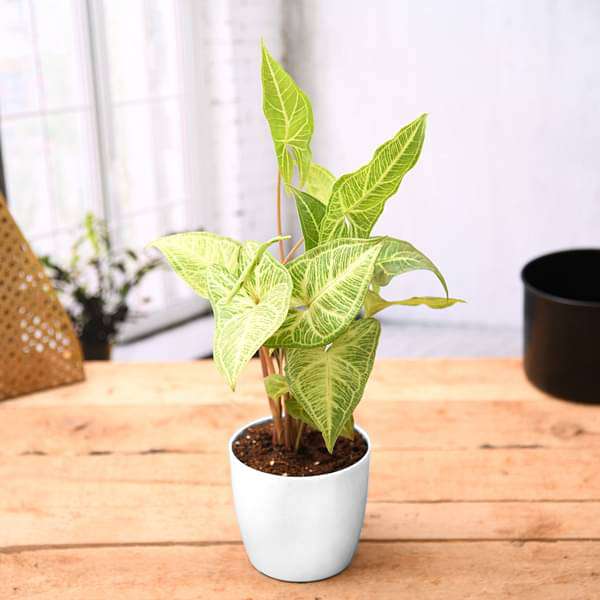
{"points": [[95, 286]]}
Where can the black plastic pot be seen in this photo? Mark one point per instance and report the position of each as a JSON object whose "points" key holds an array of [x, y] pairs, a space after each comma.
{"points": [[562, 324], [96, 350]]}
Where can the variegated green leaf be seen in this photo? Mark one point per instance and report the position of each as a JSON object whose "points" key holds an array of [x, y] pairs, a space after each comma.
{"points": [[276, 386], [329, 382], [310, 212], [358, 198], [190, 254], [252, 315], [397, 257], [319, 182], [250, 257], [290, 118], [348, 429], [375, 303], [296, 411], [292, 406], [330, 282]]}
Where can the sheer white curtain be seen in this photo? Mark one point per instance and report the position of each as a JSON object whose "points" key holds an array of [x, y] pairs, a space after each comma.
{"points": [[96, 106]]}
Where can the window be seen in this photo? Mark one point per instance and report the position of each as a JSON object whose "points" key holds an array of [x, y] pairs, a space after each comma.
{"points": [[95, 109]]}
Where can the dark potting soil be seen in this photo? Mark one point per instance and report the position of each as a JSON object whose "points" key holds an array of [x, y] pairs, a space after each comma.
{"points": [[254, 447]]}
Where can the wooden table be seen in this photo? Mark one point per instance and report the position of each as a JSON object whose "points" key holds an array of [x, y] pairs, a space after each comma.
{"points": [[481, 487]]}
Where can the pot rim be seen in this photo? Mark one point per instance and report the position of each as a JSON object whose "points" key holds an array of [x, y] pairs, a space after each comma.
{"points": [[549, 295], [356, 465]]}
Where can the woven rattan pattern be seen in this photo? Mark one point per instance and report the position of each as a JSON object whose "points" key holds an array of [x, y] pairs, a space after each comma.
{"points": [[38, 346]]}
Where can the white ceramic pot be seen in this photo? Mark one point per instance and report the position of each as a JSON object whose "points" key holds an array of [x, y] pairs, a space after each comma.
{"points": [[300, 528]]}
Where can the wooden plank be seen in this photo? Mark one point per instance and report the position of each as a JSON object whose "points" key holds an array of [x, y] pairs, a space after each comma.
{"points": [[408, 475], [121, 485], [54, 499], [110, 512], [199, 383], [482, 521], [500, 474], [388, 571], [207, 428]]}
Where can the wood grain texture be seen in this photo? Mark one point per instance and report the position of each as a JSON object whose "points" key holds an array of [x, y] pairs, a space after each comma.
{"points": [[480, 487], [199, 383], [125, 511], [389, 571], [417, 425]]}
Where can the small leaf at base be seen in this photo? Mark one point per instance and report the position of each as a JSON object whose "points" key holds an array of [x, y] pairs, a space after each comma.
{"points": [[276, 386]]}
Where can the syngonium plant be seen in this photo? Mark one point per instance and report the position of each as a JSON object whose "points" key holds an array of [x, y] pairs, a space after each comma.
{"points": [[309, 318]]}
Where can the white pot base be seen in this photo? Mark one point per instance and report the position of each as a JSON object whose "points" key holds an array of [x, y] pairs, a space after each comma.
{"points": [[302, 581], [300, 529]]}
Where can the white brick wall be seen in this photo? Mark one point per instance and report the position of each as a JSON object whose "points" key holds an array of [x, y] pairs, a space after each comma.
{"points": [[510, 164], [242, 168]]}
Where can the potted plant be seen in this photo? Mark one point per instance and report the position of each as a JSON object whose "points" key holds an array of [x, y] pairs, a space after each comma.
{"points": [[300, 476], [96, 285]]}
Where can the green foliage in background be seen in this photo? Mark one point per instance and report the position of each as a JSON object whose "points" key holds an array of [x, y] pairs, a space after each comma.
{"points": [[313, 314], [96, 283]]}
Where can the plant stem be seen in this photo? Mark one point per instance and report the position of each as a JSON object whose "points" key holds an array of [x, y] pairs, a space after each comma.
{"points": [[278, 403], [278, 358], [288, 421], [265, 373], [287, 437], [279, 227], [293, 250], [298, 436], [267, 369]]}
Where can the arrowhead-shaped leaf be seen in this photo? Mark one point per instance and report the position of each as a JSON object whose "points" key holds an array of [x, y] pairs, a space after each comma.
{"points": [[244, 322], [375, 303], [397, 257], [190, 255], [319, 182], [290, 118], [329, 382], [358, 198], [310, 212], [330, 283]]}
